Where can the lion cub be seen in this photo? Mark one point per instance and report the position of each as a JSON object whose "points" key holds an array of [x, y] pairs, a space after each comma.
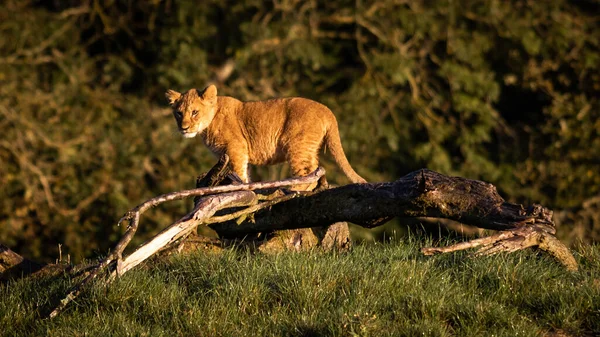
{"points": [[261, 133]]}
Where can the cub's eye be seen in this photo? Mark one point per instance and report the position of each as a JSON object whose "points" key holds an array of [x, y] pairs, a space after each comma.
{"points": [[178, 114], [194, 113]]}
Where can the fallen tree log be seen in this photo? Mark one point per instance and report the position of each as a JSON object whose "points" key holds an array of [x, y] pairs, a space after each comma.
{"points": [[235, 211], [422, 193]]}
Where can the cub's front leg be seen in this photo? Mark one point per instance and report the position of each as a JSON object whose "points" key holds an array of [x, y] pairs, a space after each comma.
{"points": [[238, 159]]}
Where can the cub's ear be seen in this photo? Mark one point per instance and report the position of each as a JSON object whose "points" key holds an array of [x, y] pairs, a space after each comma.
{"points": [[172, 96], [210, 93]]}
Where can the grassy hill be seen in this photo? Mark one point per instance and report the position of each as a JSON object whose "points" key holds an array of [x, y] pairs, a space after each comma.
{"points": [[373, 290]]}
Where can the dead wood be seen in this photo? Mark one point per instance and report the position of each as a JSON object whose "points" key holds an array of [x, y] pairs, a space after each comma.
{"points": [[231, 196], [8, 258], [14, 265], [238, 210], [204, 210], [513, 240], [422, 193]]}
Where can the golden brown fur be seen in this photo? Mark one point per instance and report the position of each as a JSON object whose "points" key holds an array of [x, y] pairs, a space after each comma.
{"points": [[261, 133]]}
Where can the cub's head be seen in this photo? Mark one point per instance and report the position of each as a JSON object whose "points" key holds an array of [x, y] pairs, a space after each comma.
{"points": [[194, 109]]}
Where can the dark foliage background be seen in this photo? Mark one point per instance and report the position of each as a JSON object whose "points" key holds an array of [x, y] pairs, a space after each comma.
{"points": [[503, 91]]}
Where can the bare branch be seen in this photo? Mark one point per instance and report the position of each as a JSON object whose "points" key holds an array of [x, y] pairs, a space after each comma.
{"points": [[311, 178], [240, 195], [513, 240], [206, 208]]}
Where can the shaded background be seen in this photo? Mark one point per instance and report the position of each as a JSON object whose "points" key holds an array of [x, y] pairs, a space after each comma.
{"points": [[502, 91]]}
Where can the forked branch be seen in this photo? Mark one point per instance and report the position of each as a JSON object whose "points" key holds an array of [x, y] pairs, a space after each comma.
{"points": [[513, 240], [230, 196]]}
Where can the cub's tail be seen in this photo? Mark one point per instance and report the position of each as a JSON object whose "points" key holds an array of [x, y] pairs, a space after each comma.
{"points": [[334, 144]]}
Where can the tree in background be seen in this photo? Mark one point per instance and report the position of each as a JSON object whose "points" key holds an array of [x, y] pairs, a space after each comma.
{"points": [[494, 90]]}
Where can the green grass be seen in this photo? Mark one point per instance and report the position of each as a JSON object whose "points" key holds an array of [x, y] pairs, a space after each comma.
{"points": [[373, 290]]}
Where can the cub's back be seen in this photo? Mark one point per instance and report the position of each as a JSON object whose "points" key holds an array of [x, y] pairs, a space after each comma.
{"points": [[277, 114], [273, 126]]}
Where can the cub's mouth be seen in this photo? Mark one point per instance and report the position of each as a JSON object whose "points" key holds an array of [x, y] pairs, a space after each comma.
{"points": [[187, 134]]}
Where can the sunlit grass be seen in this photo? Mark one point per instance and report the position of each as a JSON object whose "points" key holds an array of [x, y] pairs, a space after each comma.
{"points": [[377, 290]]}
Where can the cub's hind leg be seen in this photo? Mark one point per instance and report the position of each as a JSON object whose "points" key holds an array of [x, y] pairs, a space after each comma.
{"points": [[304, 159]]}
